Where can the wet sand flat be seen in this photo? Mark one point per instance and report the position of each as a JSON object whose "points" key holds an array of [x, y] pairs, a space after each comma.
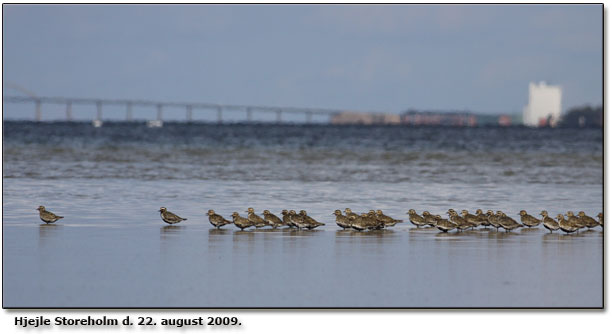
{"points": [[127, 257]]}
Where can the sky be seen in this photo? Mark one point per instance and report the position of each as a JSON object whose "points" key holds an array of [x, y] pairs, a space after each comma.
{"points": [[385, 58]]}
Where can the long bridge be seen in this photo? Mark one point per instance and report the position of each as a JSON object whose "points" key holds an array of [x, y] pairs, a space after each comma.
{"points": [[159, 106]]}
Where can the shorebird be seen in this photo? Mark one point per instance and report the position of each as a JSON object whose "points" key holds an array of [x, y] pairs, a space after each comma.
{"points": [[287, 219], [359, 223], [374, 223], [350, 213], [484, 219], [460, 223], [601, 220], [370, 221], [388, 221], [297, 220], [241, 222], [430, 219], [444, 225], [272, 219], [169, 217], [216, 220], [574, 220], [529, 220], [372, 214], [47, 216], [587, 221], [548, 222], [341, 220], [470, 218], [416, 219], [255, 219], [493, 219], [565, 225], [508, 223], [310, 222]]}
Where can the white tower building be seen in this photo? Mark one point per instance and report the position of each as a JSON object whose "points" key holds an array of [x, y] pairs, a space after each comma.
{"points": [[544, 106]]}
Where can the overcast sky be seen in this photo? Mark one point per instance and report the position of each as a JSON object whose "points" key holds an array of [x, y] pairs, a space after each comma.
{"points": [[362, 57]]}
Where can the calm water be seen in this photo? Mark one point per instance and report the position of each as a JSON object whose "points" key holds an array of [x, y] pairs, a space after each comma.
{"points": [[113, 250]]}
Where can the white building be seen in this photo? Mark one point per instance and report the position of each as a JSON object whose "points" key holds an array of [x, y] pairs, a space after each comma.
{"points": [[544, 106]]}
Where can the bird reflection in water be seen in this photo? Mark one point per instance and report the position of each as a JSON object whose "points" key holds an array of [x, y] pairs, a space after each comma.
{"points": [[302, 232], [243, 240], [217, 239], [553, 237], [422, 231], [502, 235], [378, 235], [530, 231], [46, 233], [218, 231], [170, 231], [48, 230]]}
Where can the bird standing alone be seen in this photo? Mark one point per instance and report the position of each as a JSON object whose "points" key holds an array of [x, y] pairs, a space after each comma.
{"points": [[169, 217], [47, 216]]}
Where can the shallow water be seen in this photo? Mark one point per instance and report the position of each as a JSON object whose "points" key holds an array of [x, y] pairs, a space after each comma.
{"points": [[303, 153], [115, 251], [112, 249]]}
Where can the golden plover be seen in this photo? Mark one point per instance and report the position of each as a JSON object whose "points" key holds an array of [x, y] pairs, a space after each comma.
{"points": [[169, 217], [388, 221], [444, 225], [370, 222], [297, 220], [359, 223], [241, 222], [565, 225], [430, 219], [601, 220], [529, 220], [508, 224], [374, 223], [272, 219], [460, 223], [587, 221], [47, 216], [548, 222], [342, 220], [216, 220], [415, 219], [470, 218], [484, 219], [255, 219], [350, 213], [310, 222], [287, 219], [493, 219]]}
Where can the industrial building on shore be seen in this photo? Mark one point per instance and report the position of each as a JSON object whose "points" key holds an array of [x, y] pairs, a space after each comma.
{"points": [[543, 110], [544, 107]]}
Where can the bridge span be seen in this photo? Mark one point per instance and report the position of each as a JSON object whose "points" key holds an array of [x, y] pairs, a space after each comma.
{"points": [[159, 107]]}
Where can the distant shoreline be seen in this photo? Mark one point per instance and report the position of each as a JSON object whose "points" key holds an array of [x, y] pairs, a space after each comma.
{"points": [[143, 122]]}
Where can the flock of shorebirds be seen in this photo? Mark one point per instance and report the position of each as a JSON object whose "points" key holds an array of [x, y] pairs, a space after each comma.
{"points": [[376, 219]]}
